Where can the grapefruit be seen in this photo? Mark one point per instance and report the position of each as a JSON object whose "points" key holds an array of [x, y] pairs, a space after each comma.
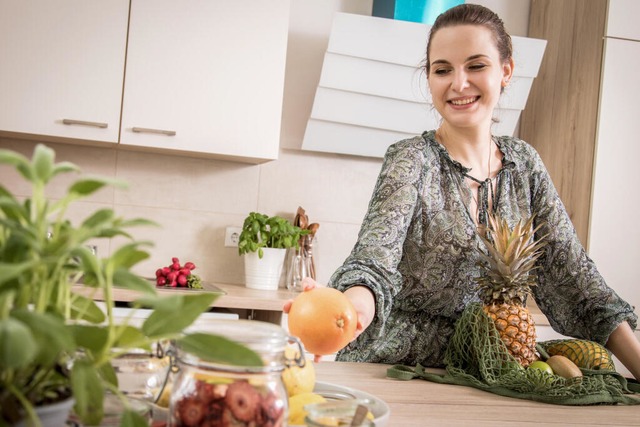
{"points": [[323, 319]]}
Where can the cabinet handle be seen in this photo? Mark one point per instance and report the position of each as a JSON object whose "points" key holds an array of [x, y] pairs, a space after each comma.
{"points": [[160, 131], [84, 123]]}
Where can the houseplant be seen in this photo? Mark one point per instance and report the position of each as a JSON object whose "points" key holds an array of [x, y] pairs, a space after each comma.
{"points": [[264, 240], [55, 343]]}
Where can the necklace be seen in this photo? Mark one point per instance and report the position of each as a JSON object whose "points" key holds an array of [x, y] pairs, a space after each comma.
{"points": [[484, 201], [489, 179]]}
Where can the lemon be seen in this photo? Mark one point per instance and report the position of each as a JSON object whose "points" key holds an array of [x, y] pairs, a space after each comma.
{"points": [[298, 380], [296, 406], [163, 400], [211, 379]]}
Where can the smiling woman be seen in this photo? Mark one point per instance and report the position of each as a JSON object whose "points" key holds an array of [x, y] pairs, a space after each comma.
{"points": [[415, 269]]}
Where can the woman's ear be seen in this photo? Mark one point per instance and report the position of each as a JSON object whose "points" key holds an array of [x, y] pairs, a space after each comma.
{"points": [[507, 72]]}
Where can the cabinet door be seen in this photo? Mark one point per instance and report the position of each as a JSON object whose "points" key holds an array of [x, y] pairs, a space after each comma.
{"points": [[614, 242], [206, 77], [62, 62], [622, 19]]}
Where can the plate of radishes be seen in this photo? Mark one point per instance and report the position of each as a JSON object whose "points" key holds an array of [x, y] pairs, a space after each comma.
{"points": [[176, 275]]}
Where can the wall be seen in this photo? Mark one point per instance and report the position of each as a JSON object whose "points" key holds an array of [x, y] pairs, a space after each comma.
{"points": [[193, 200]]}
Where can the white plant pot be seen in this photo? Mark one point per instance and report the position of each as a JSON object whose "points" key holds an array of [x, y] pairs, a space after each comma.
{"points": [[264, 273], [52, 415]]}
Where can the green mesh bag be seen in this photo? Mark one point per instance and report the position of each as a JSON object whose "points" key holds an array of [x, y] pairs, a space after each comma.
{"points": [[477, 357]]}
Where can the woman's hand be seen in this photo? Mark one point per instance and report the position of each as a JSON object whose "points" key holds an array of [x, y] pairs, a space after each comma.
{"points": [[361, 298], [365, 304], [626, 347]]}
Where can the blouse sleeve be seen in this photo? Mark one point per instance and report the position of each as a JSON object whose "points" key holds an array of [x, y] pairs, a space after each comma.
{"points": [[571, 292], [374, 260]]}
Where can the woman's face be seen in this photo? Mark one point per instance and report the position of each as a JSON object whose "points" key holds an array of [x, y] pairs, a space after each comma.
{"points": [[466, 74]]}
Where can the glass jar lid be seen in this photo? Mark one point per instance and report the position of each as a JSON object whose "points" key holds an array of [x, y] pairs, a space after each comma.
{"points": [[268, 340]]}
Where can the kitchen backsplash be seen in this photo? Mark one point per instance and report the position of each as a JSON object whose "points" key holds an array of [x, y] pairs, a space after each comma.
{"points": [[193, 200]]}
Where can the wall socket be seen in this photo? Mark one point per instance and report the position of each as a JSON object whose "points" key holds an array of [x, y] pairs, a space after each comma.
{"points": [[232, 236]]}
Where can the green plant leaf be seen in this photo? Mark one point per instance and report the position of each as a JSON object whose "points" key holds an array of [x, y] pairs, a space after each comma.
{"points": [[108, 374], [86, 186], [98, 218], [219, 349], [20, 162], [123, 278], [130, 337], [127, 256], [50, 332], [9, 271], [88, 392], [64, 167], [90, 337], [88, 261], [43, 159], [10, 206], [136, 222], [86, 309], [19, 347], [132, 419], [184, 311]]}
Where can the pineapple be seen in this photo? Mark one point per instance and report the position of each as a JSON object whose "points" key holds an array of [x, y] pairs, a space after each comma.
{"points": [[507, 281]]}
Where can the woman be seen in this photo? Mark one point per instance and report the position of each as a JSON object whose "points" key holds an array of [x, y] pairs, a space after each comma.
{"points": [[414, 267]]}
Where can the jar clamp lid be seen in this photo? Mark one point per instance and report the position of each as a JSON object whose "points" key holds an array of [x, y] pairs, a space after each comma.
{"points": [[268, 340]]}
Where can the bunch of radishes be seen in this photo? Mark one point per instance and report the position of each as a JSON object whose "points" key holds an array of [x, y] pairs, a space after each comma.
{"points": [[178, 276]]}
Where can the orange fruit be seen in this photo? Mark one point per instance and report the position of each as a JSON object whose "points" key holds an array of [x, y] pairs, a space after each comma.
{"points": [[323, 319]]}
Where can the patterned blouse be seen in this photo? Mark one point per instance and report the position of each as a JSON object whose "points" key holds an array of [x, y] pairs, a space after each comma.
{"points": [[417, 251]]}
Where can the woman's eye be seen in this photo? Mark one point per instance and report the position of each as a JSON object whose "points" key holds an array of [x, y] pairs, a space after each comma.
{"points": [[440, 71], [477, 67]]}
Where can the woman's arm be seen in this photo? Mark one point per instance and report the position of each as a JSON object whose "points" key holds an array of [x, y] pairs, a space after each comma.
{"points": [[626, 347]]}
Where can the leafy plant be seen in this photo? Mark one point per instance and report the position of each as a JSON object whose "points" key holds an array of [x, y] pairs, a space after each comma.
{"points": [[262, 231], [54, 342]]}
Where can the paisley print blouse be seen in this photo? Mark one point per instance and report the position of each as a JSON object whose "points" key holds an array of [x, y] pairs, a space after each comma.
{"points": [[418, 247]]}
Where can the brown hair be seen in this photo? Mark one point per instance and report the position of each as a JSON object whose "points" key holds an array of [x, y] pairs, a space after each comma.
{"points": [[473, 14]]}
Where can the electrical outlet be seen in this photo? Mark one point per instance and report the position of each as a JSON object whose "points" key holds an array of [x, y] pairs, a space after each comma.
{"points": [[232, 236]]}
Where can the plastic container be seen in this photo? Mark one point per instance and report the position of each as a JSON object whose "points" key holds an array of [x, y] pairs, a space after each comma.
{"points": [[206, 393]]}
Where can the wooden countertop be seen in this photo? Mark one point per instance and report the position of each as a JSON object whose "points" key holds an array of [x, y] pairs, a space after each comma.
{"points": [[423, 403], [264, 305], [235, 296], [267, 303]]}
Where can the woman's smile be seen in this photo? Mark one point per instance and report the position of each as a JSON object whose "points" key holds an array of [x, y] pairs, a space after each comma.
{"points": [[462, 102]]}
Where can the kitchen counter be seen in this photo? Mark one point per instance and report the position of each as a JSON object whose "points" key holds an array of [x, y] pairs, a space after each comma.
{"points": [[422, 403], [247, 303]]}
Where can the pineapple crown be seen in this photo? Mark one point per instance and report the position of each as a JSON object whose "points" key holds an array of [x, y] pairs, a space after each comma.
{"points": [[511, 259]]}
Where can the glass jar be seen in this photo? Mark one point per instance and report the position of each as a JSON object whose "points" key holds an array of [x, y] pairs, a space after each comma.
{"points": [[338, 413], [141, 374], [298, 267], [206, 393]]}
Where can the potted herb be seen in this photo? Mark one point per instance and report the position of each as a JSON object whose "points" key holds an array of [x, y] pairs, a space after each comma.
{"points": [[264, 241], [57, 344]]}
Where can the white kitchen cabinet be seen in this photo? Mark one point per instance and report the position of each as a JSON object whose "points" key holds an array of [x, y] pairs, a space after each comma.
{"points": [[206, 77], [614, 242], [60, 62], [622, 19]]}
